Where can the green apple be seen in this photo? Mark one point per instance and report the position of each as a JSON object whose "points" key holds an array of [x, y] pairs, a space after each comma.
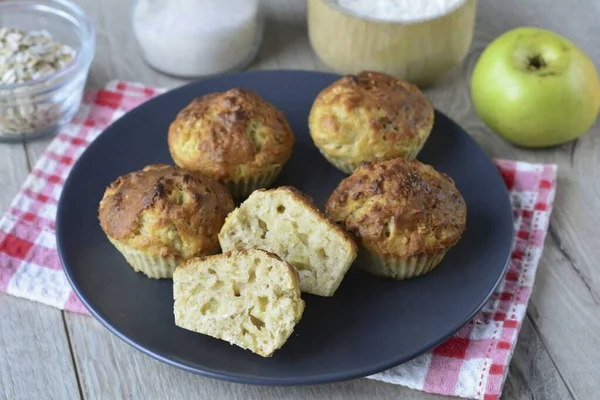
{"points": [[535, 88]]}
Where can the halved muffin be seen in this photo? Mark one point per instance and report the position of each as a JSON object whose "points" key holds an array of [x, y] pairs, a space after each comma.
{"points": [[367, 117], [249, 298], [286, 222], [163, 215], [235, 137], [404, 214]]}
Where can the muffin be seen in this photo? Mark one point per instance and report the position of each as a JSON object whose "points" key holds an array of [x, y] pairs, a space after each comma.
{"points": [[163, 215], [404, 214], [286, 222], [249, 298], [367, 117], [235, 137]]}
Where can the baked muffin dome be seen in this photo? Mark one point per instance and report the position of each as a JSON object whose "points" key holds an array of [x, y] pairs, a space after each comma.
{"points": [[235, 137], [404, 214], [163, 215], [367, 117]]}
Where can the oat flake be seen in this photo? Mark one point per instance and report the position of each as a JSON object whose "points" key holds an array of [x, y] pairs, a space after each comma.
{"points": [[27, 56], [30, 55]]}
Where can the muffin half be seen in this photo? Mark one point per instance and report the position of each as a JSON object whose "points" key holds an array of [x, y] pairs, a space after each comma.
{"points": [[163, 215], [235, 137], [286, 222], [404, 214], [249, 298], [367, 117]]}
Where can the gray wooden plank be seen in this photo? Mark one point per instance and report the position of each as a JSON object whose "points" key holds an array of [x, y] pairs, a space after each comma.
{"points": [[111, 369], [35, 361], [567, 289], [532, 373], [557, 342], [14, 171], [565, 302], [117, 52]]}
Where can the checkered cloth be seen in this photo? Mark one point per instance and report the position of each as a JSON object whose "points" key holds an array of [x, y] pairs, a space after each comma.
{"points": [[471, 364]]}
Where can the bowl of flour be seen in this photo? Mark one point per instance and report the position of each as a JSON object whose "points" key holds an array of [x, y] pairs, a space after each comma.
{"points": [[417, 41]]}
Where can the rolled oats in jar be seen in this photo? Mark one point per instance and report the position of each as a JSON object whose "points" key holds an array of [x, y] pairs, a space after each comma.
{"points": [[26, 58]]}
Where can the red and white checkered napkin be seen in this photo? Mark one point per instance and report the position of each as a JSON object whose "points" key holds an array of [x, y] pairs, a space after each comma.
{"points": [[472, 364]]}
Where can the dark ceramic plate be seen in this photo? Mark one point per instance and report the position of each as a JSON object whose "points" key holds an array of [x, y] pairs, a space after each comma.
{"points": [[369, 325]]}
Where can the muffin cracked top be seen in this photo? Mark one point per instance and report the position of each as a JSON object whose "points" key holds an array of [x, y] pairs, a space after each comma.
{"points": [[231, 136], [399, 209], [166, 211], [370, 116]]}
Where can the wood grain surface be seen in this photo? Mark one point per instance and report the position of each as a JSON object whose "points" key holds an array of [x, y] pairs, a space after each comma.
{"points": [[48, 354]]}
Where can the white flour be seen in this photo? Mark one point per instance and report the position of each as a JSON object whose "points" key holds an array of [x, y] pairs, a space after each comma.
{"points": [[399, 10], [193, 38]]}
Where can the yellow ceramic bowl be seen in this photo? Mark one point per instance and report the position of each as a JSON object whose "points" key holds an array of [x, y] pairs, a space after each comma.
{"points": [[416, 51]]}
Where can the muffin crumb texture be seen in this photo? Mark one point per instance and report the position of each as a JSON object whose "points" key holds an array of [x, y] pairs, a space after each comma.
{"points": [[249, 298], [367, 117], [285, 221]]}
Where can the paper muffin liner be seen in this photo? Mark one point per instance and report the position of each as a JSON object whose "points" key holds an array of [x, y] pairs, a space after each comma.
{"points": [[399, 269], [415, 152], [348, 167], [152, 266], [342, 165], [242, 188]]}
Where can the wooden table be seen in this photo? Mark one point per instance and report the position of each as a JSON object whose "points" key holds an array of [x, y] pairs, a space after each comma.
{"points": [[49, 354]]}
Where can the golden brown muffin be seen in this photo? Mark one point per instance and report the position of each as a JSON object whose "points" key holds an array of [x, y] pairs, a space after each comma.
{"points": [[367, 117], [163, 215], [404, 214], [235, 137]]}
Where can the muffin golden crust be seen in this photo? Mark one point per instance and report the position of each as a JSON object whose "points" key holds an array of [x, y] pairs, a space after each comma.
{"points": [[367, 117], [235, 137], [404, 214], [164, 212]]}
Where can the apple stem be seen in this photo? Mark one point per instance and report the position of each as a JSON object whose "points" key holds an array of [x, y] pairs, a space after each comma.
{"points": [[536, 62]]}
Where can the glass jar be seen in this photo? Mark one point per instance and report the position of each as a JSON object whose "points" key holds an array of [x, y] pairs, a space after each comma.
{"points": [[41, 107], [198, 38], [420, 51]]}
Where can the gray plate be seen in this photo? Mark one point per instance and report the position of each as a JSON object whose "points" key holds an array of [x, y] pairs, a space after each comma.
{"points": [[369, 325]]}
